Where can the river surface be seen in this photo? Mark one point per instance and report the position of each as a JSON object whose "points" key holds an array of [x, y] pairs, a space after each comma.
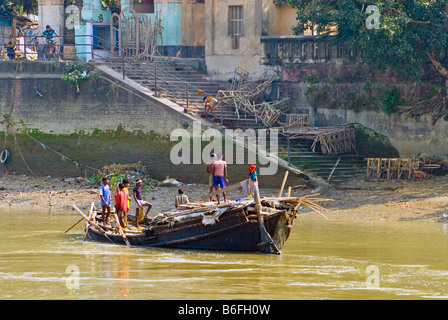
{"points": [[321, 260]]}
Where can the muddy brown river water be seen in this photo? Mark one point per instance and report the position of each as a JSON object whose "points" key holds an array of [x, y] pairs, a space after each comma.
{"points": [[321, 260]]}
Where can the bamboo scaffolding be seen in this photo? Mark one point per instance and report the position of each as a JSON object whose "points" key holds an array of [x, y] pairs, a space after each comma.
{"points": [[332, 140]]}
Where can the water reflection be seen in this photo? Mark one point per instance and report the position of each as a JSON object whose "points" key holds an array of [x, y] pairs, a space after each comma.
{"points": [[321, 260]]}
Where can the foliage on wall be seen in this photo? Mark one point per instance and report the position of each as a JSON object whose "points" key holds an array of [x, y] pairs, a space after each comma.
{"points": [[75, 75]]}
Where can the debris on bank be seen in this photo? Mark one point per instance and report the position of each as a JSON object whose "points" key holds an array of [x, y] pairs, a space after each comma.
{"points": [[117, 172]]}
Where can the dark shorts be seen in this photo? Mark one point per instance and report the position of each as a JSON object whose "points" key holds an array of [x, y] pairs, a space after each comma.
{"points": [[219, 182]]}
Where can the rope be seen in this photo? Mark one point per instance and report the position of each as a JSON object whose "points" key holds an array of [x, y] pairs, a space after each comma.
{"points": [[63, 156], [8, 116], [21, 155], [9, 124]]}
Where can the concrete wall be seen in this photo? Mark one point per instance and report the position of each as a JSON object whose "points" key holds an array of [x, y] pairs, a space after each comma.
{"points": [[100, 105], [351, 93], [105, 123], [183, 23], [51, 12], [410, 136], [281, 19], [220, 57], [193, 24]]}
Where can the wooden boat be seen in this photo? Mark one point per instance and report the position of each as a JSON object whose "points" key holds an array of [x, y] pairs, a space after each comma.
{"points": [[240, 226]]}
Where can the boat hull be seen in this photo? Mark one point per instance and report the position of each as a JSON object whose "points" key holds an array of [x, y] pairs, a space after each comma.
{"points": [[233, 231]]}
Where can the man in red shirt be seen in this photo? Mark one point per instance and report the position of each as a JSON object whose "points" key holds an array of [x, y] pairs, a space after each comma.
{"points": [[121, 204], [219, 170]]}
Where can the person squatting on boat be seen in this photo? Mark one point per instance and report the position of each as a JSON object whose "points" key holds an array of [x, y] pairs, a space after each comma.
{"points": [[139, 202], [181, 198]]}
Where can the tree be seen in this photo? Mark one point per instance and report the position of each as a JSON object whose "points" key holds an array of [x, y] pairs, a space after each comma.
{"points": [[410, 33], [26, 6]]}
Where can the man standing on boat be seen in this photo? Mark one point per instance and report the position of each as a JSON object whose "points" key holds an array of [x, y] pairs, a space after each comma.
{"points": [[105, 200], [219, 169], [253, 178], [139, 202], [125, 189], [121, 204]]}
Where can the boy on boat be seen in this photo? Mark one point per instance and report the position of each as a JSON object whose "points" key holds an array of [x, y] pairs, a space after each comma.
{"points": [[219, 169], [121, 204], [181, 198], [125, 189], [105, 200], [139, 202]]}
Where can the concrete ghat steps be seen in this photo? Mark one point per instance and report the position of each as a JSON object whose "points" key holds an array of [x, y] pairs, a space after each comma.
{"points": [[173, 80], [319, 164]]}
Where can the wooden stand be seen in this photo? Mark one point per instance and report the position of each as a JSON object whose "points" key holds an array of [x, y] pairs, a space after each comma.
{"points": [[391, 168]]}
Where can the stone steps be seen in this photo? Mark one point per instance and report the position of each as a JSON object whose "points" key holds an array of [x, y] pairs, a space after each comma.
{"points": [[172, 80]]}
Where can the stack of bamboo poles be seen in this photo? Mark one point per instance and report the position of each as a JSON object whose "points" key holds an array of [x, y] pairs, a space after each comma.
{"points": [[310, 201], [191, 208]]}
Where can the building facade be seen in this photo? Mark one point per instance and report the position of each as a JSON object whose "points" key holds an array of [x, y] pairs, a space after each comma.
{"points": [[234, 29]]}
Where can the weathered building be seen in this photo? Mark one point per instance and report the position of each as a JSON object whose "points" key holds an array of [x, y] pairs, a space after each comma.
{"points": [[234, 30], [183, 31]]}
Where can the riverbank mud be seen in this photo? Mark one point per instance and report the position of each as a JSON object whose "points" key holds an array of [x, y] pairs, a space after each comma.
{"points": [[356, 200]]}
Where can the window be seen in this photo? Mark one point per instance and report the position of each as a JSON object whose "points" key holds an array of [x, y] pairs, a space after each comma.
{"points": [[196, 1], [235, 25], [328, 51], [340, 51], [315, 50]]}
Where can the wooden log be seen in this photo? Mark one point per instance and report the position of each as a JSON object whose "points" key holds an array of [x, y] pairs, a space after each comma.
{"points": [[283, 183], [90, 217], [226, 189], [91, 223], [120, 230], [73, 225], [267, 244]]}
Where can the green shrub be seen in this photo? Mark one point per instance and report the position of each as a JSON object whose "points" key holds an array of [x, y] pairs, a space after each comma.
{"points": [[390, 101], [311, 78], [75, 75]]}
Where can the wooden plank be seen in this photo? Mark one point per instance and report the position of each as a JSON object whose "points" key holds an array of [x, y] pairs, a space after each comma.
{"points": [[120, 230], [226, 189], [283, 184]]}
